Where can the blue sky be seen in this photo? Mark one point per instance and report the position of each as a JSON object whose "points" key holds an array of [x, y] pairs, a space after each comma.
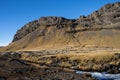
{"points": [[16, 13]]}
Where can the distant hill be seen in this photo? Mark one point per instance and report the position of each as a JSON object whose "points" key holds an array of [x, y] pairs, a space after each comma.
{"points": [[99, 29], [1, 46]]}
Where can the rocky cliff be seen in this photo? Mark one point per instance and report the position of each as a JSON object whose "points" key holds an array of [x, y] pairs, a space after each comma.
{"points": [[94, 29], [43, 21], [108, 14]]}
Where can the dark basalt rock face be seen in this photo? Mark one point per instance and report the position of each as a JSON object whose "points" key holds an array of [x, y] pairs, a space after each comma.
{"points": [[108, 14]]}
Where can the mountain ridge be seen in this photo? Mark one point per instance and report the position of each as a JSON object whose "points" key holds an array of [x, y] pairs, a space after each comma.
{"points": [[94, 29], [84, 21]]}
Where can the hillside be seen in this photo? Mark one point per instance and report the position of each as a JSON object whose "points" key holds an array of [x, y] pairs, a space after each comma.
{"points": [[99, 29], [57, 48]]}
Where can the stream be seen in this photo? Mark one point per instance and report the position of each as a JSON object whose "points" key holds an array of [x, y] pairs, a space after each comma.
{"points": [[102, 75]]}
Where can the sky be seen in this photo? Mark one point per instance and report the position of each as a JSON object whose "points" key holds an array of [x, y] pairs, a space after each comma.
{"points": [[16, 13]]}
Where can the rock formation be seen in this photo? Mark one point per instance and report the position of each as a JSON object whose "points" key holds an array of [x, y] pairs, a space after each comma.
{"points": [[109, 14], [43, 21], [52, 30]]}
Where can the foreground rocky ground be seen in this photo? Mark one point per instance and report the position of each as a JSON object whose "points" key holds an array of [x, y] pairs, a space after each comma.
{"points": [[13, 68], [58, 64], [87, 59]]}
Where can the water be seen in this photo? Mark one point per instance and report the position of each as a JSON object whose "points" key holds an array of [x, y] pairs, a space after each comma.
{"points": [[102, 76]]}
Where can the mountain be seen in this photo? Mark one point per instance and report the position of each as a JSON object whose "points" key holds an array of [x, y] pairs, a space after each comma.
{"points": [[1, 46], [99, 29]]}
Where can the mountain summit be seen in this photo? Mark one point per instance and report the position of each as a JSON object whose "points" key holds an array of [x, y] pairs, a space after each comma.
{"points": [[99, 29]]}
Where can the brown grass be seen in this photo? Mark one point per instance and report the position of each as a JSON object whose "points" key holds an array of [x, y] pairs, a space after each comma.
{"points": [[83, 61], [58, 39]]}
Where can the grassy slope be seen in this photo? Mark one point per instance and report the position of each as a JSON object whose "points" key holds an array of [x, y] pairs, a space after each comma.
{"points": [[58, 38], [103, 38]]}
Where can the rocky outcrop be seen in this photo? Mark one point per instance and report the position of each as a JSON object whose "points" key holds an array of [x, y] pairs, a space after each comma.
{"points": [[108, 14], [42, 22], [26, 29], [52, 20]]}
